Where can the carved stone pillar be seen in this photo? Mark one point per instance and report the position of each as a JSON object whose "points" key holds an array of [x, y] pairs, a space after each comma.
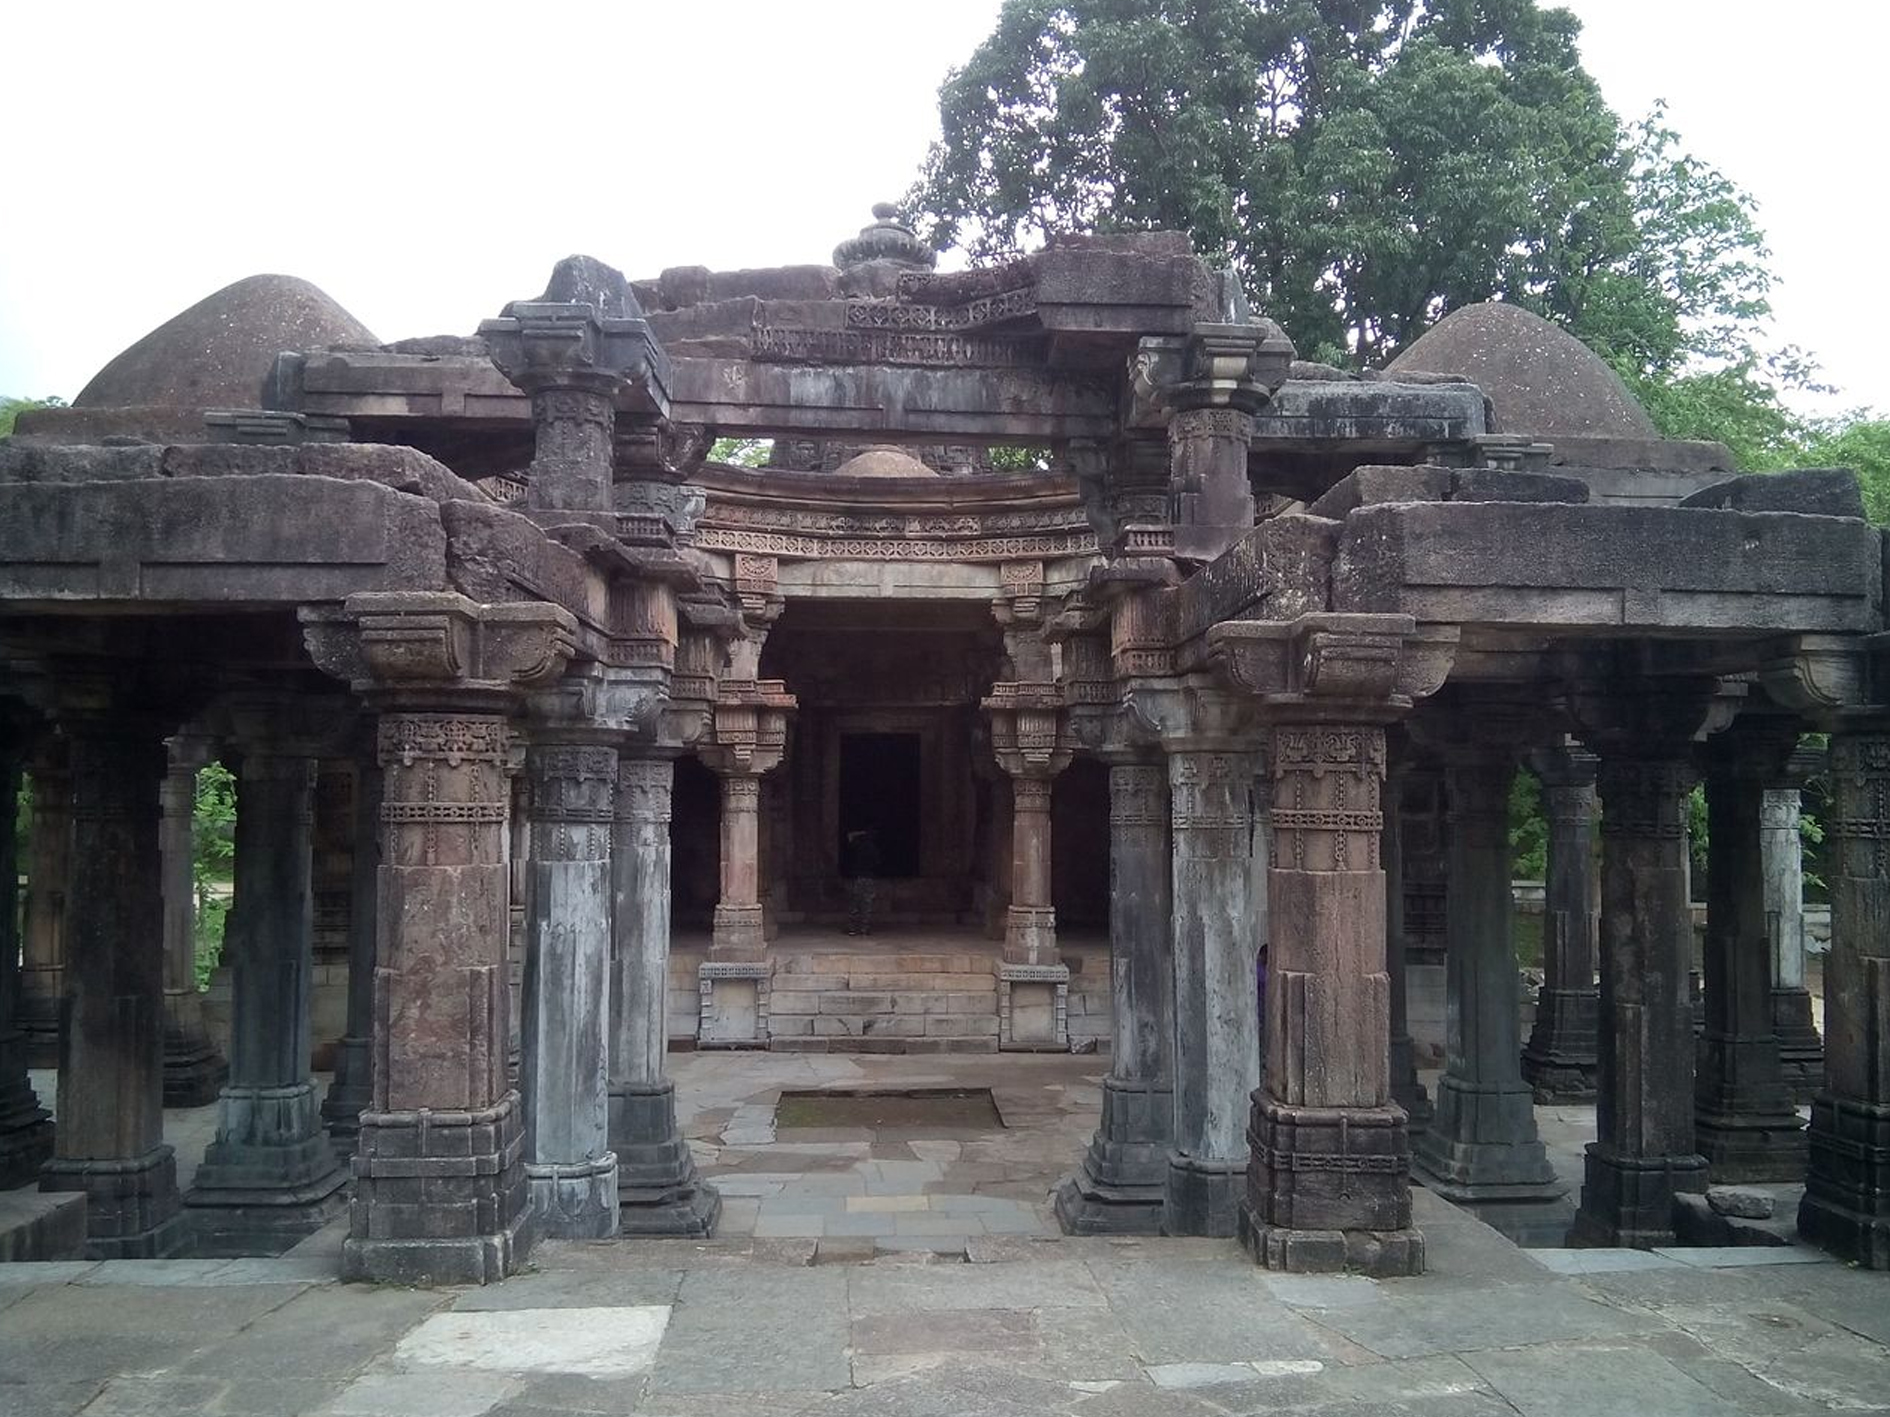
{"points": [[440, 1193], [48, 860], [658, 1189], [1029, 738], [738, 933], [1744, 1121], [1405, 1087], [110, 1139], [1118, 1188], [1781, 849], [270, 1177], [26, 1132], [1481, 1149], [1644, 1150], [1559, 1059], [1846, 1208], [193, 1069], [1224, 374], [569, 1167], [1217, 1026], [352, 1091]]}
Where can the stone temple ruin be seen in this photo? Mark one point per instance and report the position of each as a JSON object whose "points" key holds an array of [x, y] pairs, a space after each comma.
{"points": [[1063, 578]]}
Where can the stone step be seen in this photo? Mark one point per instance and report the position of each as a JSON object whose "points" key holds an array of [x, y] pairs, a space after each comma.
{"points": [[41, 1225]]}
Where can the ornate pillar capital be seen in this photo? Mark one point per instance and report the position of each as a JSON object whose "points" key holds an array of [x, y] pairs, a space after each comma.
{"points": [[1329, 668]]}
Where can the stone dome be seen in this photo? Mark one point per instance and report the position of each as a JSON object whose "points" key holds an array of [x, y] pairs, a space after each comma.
{"points": [[1540, 379], [219, 352], [883, 462]]}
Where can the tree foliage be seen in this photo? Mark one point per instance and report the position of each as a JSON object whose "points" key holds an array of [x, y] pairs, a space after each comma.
{"points": [[11, 409]]}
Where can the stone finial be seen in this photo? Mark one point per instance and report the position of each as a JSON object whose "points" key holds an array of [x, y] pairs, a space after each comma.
{"points": [[887, 239]]}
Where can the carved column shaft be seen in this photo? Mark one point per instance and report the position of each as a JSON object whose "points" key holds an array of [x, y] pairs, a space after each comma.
{"points": [[738, 933], [110, 1139], [1217, 1046], [25, 1128], [193, 1069], [1846, 1208], [658, 1190], [575, 427], [1030, 931], [352, 1091], [1406, 1090], [1801, 1049], [49, 856], [1211, 496], [1559, 1059], [570, 1168], [1118, 1189]]}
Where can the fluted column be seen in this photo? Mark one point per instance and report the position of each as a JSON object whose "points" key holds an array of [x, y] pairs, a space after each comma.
{"points": [[25, 1129], [658, 1189], [1644, 1150], [1118, 1187], [48, 863], [352, 1091], [193, 1068], [1217, 1028], [1846, 1208], [1781, 847], [109, 1142], [1559, 1059], [570, 1169], [270, 1177]]}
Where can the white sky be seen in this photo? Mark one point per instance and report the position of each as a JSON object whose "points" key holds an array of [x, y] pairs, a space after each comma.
{"points": [[424, 163]]}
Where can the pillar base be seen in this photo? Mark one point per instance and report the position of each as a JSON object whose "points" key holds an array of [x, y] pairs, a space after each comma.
{"points": [[738, 932], [1329, 1189], [349, 1095], [1118, 1186], [1030, 934], [1202, 1197], [1406, 1090], [439, 1197], [1744, 1123], [194, 1071], [1627, 1201], [734, 1011], [1033, 1007], [1800, 1048], [575, 1201], [1846, 1208], [1559, 1060], [1482, 1146], [131, 1205], [269, 1179], [26, 1135], [659, 1191]]}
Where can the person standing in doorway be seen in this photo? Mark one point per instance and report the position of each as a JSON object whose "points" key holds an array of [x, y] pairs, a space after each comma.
{"points": [[862, 873]]}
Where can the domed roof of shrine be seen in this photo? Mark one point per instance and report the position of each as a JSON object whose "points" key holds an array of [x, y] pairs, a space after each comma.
{"points": [[1540, 379], [219, 352], [883, 461]]}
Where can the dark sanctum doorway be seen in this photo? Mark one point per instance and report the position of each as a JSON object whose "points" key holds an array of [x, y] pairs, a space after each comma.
{"points": [[880, 793]]}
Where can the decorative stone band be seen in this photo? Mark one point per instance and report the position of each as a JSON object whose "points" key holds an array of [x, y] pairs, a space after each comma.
{"points": [[1030, 794], [1644, 798], [644, 790], [742, 792], [1138, 796], [1860, 816]]}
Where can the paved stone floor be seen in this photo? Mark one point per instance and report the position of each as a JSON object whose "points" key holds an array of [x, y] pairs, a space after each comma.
{"points": [[916, 1276]]}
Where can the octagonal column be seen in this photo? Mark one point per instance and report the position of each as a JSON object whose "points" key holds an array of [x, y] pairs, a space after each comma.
{"points": [[658, 1189], [569, 1167], [1644, 1151], [1559, 1059], [1029, 738], [352, 1091], [737, 932], [48, 861], [1782, 852], [270, 1177], [1118, 1187], [109, 1143], [193, 1068], [1217, 1024], [25, 1128], [1405, 1087], [1846, 1208]]}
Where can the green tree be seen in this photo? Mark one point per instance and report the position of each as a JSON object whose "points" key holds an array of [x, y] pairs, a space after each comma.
{"points": [[11, 409]]}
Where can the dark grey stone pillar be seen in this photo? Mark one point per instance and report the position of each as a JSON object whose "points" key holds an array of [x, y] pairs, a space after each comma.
{"points": [[1846, 1208], [109, 1143], [570, 1169], [1406, 1090], [1744, 1121], [1800, 1047], [1217, 1028], [352, 1091], [1644, 1150], [48, 862], [193, 1068], [658, 1189], [1481, 1149], [1559, 1059], [270, 1178], [26, 1132], [1119, 1186]]}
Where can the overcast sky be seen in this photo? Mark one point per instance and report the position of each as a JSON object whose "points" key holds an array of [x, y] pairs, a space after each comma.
{"points": [[424, 163]]}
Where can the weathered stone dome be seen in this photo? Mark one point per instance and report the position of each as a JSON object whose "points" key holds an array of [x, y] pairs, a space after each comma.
{"points": [[1541, 380], [883, 462], [219, 352]]}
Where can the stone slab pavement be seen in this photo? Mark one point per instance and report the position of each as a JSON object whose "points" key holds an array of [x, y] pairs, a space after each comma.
{"points": [[844, 1306]]}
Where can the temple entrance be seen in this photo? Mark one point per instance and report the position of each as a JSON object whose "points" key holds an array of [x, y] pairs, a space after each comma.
{"points": [[881, 803]]}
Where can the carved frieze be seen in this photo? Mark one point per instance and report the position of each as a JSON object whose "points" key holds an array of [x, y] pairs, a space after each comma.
{"points": [[789, 345]]}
